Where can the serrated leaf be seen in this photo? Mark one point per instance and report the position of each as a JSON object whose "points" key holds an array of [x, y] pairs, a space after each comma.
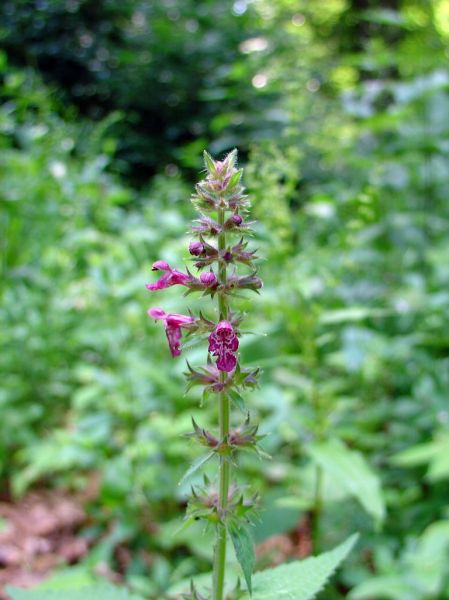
{"points": [[244, 550], [353, 474], [300, 580], [95, 592], [197, 463]]}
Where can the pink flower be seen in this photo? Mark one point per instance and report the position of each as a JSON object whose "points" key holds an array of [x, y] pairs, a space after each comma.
{"points": [[223, 343], [170, 277], [172, 324]]}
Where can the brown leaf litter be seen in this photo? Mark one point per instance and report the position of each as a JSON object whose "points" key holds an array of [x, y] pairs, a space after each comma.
{"points": [[38, 534]]}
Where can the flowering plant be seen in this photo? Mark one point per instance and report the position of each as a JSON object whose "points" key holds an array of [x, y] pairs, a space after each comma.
{"points": [[218, 249]]}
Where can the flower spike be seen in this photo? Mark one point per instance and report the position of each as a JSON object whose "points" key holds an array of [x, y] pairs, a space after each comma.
{"points": [[225, 267]]}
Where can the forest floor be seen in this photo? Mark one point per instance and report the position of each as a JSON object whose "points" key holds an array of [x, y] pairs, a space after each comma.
{"points": [[43, 532]]}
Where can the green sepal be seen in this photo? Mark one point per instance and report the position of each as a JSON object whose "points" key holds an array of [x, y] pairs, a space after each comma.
{"points": [[209, 162], [235, 179], [231, 158]]}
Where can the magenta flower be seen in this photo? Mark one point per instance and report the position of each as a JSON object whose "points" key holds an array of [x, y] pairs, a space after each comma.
{"points": [[172, 324], [196, 248], [171, 277], [223, 343], [208, 278]]}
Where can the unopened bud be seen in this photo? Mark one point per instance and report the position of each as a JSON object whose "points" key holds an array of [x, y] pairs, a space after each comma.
{"points": [[196, 248], [208, 278]]}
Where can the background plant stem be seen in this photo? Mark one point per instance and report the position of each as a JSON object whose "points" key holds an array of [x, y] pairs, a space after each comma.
{"points": [[317, 509], [220, 545]]}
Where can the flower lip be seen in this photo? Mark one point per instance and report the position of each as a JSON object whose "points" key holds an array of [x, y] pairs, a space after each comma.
{"points": [[169, 278], [223, 343], [156, 313], [161, 265]]}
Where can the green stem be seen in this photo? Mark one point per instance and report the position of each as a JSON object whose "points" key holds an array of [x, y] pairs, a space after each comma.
{"points": [[317, 509], [318, 492], [224, 408]]}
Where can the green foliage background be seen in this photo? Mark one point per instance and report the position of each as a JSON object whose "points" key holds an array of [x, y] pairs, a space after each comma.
{"points": [[341, 114]]}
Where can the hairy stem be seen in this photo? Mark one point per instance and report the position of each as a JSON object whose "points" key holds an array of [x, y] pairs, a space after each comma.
{"points": [[220, 545]]}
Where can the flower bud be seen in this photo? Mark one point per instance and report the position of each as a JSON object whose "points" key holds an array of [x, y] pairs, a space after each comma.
{"points": [[208, 278], [196, 248], [237, 219]]}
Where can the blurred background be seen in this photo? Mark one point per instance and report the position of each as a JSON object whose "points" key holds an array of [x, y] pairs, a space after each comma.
{"points": [[340, 112]]}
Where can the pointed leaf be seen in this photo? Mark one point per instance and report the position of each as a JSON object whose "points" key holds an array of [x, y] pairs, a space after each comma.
{"points": [[238, 401], [197, 463], [434, 453], [300, 580], [353, 474], [244, 550], [184, 525]]}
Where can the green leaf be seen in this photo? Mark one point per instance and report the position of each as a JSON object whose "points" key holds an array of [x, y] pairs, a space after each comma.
{"points": [[197, 463], [353, 474], [244, 550], [95, 592], [390, 587], [69, 578], [435, 454], [415, 455], [353, 313], [300, 580], [238, 401], [185, 525], [420, 572]]}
